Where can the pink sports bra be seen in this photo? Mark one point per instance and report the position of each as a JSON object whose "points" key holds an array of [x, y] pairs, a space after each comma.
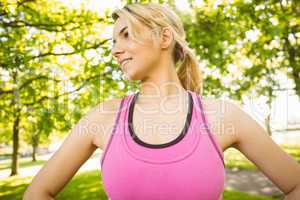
{"points": [[190, 166]]}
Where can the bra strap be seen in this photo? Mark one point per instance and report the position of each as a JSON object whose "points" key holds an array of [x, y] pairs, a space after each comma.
{"points": [[211, 136], [114, 129]]}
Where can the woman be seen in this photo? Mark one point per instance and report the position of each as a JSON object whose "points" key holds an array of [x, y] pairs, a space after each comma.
{"points": [[185, 162]]}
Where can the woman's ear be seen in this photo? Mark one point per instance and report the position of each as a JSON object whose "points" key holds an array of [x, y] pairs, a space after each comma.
{"points": [[166, 38]]}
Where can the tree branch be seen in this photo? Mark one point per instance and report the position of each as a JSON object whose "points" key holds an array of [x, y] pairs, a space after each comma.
{"points": [[95, 46], [62, 94]]}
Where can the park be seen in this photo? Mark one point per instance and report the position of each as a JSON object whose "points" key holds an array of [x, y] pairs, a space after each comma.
{"points": [[56, 64]]}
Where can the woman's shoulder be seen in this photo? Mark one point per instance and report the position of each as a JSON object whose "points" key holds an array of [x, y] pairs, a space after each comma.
{"points": [[220, 105], [102, 118], [226, 110], [222, 118], [103, 109], [109, 105]]}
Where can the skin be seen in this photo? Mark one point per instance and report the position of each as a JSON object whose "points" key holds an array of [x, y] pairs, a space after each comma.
{"points": [[230, 124]]}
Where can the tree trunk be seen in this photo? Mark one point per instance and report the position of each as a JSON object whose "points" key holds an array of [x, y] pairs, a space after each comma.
{"points": [[35, 143], [14, 166], [268, 119], [34, 150]]}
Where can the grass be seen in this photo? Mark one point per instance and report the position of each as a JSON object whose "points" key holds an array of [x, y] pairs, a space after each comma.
{"points": [[88, 186], [84, 185], [236, 160], [27, 162], [24, 162], [235, 195]]}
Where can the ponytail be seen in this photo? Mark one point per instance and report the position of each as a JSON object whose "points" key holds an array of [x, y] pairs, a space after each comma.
{"points": [[187, 68]]}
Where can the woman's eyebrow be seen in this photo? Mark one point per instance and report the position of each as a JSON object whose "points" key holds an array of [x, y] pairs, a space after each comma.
{"points": [[122, 30]]}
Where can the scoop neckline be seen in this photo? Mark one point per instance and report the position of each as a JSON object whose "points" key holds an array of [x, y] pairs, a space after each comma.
{"points": [[182, 134]]}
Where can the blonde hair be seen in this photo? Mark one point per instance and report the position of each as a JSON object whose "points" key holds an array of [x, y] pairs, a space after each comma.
{"points": [[156, 16]]}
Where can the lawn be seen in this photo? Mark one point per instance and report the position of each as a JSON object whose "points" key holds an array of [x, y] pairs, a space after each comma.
{"points": [[24, 162], [88, 186], [27, 162]]}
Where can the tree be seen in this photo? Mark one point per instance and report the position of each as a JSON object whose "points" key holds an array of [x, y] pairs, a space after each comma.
{"points": [[51, 59]]}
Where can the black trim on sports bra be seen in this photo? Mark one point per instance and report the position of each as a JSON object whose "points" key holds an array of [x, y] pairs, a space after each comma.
{"points": [[172, 142]]}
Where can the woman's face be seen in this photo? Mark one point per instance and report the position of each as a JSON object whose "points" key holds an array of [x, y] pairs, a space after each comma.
{"points": [[135, 59]]}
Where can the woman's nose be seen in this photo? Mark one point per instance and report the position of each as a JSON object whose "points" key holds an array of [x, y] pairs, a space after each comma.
{"points": [[116, 50]]}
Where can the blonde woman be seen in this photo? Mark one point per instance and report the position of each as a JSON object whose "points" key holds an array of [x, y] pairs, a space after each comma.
{"points": [[160, 142]]}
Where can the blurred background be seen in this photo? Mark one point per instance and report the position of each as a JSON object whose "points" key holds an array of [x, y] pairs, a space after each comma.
{"points": [[56, 64]]}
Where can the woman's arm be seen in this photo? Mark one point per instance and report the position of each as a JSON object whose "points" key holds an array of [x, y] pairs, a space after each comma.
{"points": [[294, 194], [65, 162], [254, 142]]}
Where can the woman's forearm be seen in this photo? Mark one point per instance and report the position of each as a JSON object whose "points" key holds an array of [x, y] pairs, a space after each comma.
{"points": [[294, 194], [31, 195]]}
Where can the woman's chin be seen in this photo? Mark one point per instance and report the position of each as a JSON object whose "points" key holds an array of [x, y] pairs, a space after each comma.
{"points": [[127, 76], [130, 77]]}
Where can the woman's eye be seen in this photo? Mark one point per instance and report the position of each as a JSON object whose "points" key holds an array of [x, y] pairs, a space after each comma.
{"points": [[126, 34]]}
